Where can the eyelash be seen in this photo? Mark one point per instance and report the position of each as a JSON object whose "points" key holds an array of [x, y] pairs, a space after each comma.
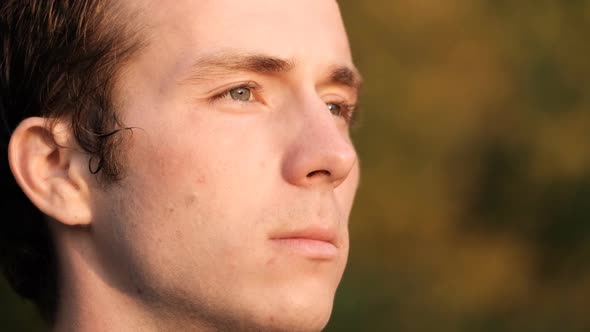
{"points": [[347, 111]]}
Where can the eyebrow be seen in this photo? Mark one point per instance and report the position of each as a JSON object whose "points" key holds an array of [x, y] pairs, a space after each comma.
{"points": [[222, 63], [226, 62], [346, 76]]}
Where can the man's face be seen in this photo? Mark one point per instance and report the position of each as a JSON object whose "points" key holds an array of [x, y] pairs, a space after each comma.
{"points": [[241, 172]]}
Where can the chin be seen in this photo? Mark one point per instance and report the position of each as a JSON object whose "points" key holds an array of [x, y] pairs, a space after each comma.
{"points": [[299, 312], [311, 321]]}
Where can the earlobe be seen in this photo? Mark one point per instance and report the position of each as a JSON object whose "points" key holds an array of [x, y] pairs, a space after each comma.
{"points": [[51, 171]]}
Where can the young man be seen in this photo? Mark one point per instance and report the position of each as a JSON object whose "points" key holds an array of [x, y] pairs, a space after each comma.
{"points": [[191, 160]]}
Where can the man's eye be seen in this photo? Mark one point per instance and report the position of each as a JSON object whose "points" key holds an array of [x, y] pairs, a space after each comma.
{"points": [[241, 94], [335, 109], [343, 110]]}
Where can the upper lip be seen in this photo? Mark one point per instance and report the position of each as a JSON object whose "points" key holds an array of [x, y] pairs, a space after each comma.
{"points": [[317, 233]]}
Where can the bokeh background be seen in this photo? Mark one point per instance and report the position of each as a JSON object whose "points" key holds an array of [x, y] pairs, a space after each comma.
{"points": [[473, 212], [474, 207]]}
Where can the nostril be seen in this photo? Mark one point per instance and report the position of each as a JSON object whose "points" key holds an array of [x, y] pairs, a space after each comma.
{"points": [[318, 172]]}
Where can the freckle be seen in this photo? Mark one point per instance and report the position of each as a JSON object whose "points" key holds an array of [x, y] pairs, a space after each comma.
{"points": [[270, 261], [190, 199]]}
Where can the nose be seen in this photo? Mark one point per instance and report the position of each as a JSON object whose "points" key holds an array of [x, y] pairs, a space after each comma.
{"points": [[321, 154]]}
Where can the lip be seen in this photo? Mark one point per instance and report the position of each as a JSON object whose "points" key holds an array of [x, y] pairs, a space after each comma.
{"points": [[313, 242]]}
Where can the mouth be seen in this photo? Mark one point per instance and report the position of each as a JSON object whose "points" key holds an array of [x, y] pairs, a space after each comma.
{"points": [[314, 243]]}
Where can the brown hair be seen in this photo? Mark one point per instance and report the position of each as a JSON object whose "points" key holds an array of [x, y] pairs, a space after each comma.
{"points": [[59, 60]]}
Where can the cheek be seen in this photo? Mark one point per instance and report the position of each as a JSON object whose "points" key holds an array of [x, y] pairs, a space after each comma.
{"points": [[346, 192], [203, 171]]}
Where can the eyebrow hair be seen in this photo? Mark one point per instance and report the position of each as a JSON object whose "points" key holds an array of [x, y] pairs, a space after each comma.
{"points": [[223, 62], [347, 76], [220, 63]]}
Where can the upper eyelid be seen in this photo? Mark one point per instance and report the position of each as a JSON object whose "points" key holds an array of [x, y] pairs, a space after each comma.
{"points": [[235, 85], [341, 98], [340, 90]]}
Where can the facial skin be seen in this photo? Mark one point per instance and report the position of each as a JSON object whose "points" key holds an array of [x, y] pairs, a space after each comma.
{"points": [[226, 189]]}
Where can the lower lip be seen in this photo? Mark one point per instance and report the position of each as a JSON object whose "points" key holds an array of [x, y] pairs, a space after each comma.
{"points": [[315, 249]]}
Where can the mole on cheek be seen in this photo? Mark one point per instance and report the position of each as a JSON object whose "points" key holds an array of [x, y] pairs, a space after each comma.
{"points": [[201, 180], [190, 199]]}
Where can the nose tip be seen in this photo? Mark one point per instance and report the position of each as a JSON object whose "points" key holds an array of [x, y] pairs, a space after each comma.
{"points": [[338, 165], [325, 160]]}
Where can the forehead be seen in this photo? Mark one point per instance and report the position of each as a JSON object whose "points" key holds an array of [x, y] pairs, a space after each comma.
{"points": [[299, 29]]}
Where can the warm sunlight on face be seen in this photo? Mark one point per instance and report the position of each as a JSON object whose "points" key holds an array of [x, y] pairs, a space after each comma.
{"points": [[242, 173]]}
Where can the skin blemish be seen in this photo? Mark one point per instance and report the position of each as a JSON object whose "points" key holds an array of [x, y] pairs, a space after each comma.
{"points": [[271, 261], [190, 199]]}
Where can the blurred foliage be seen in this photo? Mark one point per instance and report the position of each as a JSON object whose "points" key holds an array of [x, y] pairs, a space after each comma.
{"points": [[474, 207], [473, 211]]}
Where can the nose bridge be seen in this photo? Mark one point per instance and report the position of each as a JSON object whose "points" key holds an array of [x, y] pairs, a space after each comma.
{"points": [[321, 152]]}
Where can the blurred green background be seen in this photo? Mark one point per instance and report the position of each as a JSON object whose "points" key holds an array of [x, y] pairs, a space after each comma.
{"points": [[473, 212], [474, 207]]}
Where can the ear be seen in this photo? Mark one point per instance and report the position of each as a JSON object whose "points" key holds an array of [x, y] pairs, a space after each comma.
{"points": [[51, 170]]}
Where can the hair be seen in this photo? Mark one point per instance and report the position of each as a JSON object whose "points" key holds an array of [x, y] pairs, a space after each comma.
{"points": [[59, 59]]}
